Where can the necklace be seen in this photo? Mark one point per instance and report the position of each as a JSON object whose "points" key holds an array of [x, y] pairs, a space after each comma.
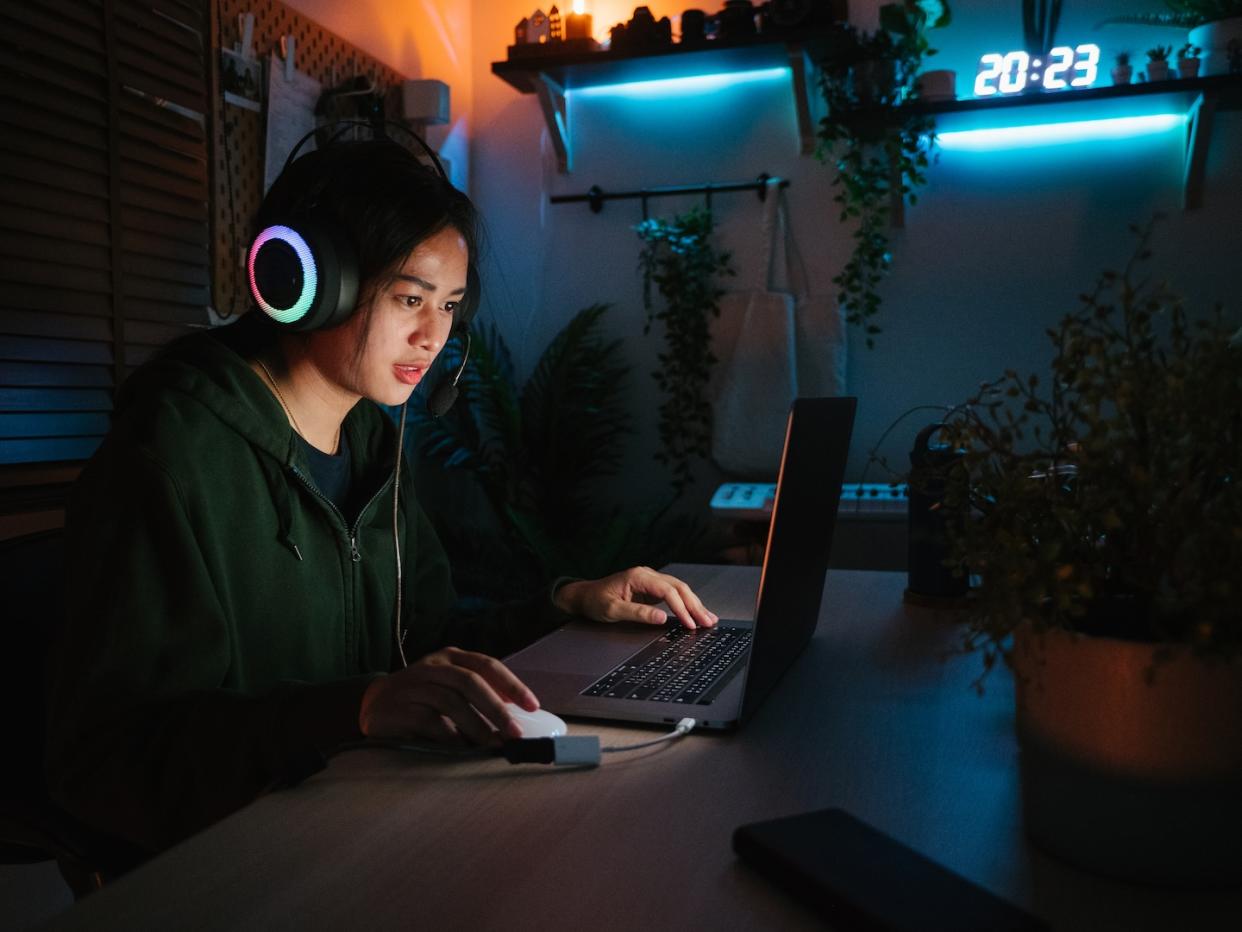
{"points": [[336, 443]]}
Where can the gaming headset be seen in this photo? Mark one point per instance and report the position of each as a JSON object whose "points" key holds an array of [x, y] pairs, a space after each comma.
{"points": [[303, 273]]}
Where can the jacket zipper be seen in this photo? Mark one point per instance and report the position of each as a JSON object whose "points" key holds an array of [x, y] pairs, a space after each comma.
{"points": [[354, 553]]}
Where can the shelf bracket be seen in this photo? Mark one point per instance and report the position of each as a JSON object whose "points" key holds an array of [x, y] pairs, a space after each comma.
{"points": [[1198, 133], [552, 102], [801, 71]]}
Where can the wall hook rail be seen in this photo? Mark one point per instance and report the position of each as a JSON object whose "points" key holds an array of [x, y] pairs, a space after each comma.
{"points": [[595, 196]]}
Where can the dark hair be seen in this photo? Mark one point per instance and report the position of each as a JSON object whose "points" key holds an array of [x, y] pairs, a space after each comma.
{"points": [[382, 199]]}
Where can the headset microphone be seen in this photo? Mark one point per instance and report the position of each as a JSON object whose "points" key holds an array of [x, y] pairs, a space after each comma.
{"points": [[446, 393]]}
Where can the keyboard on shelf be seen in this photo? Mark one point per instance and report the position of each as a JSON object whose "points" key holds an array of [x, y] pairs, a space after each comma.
{"points": [[752, 501], [683, 667]]}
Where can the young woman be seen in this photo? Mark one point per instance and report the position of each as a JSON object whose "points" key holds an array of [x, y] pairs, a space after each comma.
{"points": [[251, 581]]}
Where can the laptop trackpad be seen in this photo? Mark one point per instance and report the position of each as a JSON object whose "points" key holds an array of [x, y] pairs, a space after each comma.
{"points": [[584, 647]]}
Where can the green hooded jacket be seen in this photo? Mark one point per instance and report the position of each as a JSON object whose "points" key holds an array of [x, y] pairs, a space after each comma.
{"points": [[223, 618]]}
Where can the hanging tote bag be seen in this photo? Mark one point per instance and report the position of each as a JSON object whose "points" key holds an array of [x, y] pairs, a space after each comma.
{"points": [[764, 340]]}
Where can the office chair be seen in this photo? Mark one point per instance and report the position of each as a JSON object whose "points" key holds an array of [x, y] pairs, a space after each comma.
{"points": [[32, 827]]}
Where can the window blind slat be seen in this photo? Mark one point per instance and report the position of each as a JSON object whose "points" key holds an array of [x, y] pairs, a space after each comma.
{"points": [[56, 450], [52, 276], [42, 199], [55, 399], [31, 349], [147, 266], [191, 230], [63, 229], [18, 321], [183, 187], [34, 374], [52, 249], [52, 424]]}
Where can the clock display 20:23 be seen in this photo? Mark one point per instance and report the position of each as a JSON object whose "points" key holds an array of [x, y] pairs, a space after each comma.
{"points": [[1012, 72]]}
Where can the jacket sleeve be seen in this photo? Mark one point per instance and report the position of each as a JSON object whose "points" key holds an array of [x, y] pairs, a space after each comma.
{"points": [[144, 741]]}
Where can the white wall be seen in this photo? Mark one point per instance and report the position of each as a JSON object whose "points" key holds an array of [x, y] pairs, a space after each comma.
{"points": [[995, 252]]}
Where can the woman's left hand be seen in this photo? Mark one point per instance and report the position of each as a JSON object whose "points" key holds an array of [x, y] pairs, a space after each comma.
{"points": [[631, 596]]}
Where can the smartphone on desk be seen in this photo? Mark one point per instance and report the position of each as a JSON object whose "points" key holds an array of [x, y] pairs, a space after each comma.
{"points": [[860, 878]]}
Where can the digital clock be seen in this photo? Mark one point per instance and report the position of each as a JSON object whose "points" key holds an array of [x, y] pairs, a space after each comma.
{"points": [[1014, 72]]}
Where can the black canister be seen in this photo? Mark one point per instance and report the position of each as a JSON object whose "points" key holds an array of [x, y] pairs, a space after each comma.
{"points": [[930, 465], [693, 27], [737, 20]]}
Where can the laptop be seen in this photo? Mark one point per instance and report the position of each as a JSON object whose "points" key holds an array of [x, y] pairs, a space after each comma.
{"points": [[720, 675]]}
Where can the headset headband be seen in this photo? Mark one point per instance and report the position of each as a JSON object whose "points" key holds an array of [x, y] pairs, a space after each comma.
{"points": [[378, 127]]}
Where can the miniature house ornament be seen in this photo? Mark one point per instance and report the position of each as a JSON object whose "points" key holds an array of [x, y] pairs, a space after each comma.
{"points": [[538, 29]]}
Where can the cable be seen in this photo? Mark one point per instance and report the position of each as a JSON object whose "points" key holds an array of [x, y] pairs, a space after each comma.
{"points": [[684, 727], [560, 751]]}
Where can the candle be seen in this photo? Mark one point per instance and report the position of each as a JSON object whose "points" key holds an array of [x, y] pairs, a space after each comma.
{"points": [[578, 23]]}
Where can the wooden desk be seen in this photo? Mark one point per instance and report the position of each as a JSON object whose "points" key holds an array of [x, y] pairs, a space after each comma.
{"points": [[869, 719]]}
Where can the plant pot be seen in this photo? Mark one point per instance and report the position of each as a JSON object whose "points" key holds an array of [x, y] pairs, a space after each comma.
{"points": [[939, 84], [1129, 768], [1188, 68], [1214, 39], [1122, 74], [1157, 71]]}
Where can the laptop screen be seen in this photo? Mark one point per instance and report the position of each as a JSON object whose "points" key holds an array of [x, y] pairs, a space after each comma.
{"points": [[808, 492]]}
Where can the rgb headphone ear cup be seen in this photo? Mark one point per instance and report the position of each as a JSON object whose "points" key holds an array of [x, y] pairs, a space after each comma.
{"points": [[302, 275]]}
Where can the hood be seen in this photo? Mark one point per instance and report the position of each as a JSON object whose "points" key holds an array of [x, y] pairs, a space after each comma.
{"points": [[211, 368]]}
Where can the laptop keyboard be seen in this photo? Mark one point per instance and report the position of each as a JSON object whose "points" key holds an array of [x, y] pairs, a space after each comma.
{"points": [[683, 666]]}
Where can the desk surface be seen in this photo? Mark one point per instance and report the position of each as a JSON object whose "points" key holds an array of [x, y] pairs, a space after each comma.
{"points": [[871, 718]]}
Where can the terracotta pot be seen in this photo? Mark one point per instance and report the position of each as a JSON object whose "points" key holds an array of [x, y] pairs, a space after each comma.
{"points": [[1122, 74], [1157, 70], [1131, 765], [1187, 67]]}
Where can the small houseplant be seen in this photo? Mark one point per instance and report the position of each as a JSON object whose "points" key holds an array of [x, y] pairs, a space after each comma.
{"points": [[1102, 517], [878, 149], [1188, 61], [1123, 70], [1158, 62]]}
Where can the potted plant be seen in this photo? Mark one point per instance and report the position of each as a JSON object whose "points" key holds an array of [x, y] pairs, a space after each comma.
{"points": [[1102, 519], [680, 257], [1122, 71], [878, 148], [1188, 61], [1158, 62]]}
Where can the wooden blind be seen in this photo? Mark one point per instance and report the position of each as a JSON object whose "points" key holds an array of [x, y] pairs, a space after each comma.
{"points": [[104, 234]]}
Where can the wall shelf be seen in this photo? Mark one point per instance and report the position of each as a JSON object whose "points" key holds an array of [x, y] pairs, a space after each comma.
{"points": [[551, 76], [1199, 98]]}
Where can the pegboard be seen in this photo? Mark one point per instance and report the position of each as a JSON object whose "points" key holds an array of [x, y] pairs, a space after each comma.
{"points": [[239, 134]]}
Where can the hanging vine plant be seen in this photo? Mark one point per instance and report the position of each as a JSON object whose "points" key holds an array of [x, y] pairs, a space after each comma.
{"points": [[679, 257], [879, 149]]}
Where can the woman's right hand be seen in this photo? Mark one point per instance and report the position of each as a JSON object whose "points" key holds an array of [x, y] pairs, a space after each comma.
{"points": [[451, 695]]}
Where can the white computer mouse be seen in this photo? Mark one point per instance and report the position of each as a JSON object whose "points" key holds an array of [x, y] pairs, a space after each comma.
{"points": [[537, 724]]}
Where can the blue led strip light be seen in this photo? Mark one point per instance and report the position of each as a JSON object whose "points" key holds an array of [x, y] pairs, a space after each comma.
{"points": [[1055, 134], [672, 87]]}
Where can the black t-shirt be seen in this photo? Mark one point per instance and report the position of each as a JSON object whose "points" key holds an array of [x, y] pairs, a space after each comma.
{"points": [[332, 473]]}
